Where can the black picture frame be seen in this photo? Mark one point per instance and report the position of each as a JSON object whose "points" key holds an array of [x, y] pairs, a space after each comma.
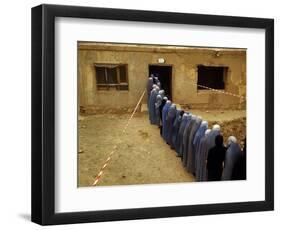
{"points": [[43, 113]]}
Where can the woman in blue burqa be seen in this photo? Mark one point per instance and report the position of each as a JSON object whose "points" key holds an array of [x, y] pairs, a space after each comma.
{"points": [[185, 140], [152, 100], [158, 83], [201, 158], [232, 155], [184, 120], [190, 150], [176, 127], [157, 106], [164, 116], [148, 103], [149, 85], [161, 93], [198, 135], [183, 127], [172, 113], [156, 80]]}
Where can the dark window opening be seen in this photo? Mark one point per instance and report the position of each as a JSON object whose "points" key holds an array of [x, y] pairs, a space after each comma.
{"points": [[212, 77], [111, 76]]}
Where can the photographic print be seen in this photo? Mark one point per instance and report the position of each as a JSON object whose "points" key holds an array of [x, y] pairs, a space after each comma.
{"points": [[148, 114], [153, 114]]}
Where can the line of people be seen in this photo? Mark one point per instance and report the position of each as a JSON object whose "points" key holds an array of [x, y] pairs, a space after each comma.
{"points": [[201, 149]]}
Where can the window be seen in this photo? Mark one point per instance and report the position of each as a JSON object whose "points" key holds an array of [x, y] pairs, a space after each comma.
{"points": [[111, 76], [212, 77]]}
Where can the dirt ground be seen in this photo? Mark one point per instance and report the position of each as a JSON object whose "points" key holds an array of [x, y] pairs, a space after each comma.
{"points": [[142, 157]]}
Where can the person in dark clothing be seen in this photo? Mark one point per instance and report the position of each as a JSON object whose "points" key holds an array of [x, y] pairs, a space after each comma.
{"points": [[160, 112], [239, 169], [215, 160]]}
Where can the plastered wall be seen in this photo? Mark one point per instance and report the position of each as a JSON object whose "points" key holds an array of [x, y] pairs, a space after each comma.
{"points": [[184, 61]]}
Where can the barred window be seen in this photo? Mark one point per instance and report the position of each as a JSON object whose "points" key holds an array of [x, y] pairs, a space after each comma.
{"points": [[212, 77], [111, 76]]}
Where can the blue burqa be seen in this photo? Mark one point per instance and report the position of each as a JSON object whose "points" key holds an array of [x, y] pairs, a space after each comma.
{"points": [[185, 140], [197, 138], [202, 154], [157, 82], [152, 100], [232, 155], [190, 150], [149, 85], [164, 116], [182, 146], [157, 106], [162, 93], [172, 113], [179, 138], [176, 127]]}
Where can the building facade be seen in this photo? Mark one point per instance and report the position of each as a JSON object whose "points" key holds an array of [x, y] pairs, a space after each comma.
{"points": [[113, 76]]}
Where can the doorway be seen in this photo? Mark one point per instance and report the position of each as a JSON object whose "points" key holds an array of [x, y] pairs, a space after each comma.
{"points": [[164, 74]]}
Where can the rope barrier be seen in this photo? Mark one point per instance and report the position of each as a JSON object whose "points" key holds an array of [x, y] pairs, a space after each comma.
{"points": [[98, 177], [218, 91]]}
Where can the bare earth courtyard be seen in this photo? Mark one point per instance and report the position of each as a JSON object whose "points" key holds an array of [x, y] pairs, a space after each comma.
{"points": [[142, 157]]}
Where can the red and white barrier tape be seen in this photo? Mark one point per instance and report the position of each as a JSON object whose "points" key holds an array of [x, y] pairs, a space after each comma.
{"points": [[98, 177], [219, 91]]}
